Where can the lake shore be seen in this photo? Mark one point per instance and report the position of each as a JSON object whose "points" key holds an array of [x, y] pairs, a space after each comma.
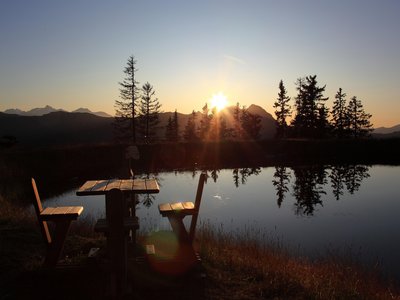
{"points": [[236, 267]]}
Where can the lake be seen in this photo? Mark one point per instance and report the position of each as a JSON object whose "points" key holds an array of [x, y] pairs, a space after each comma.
{"points": [[311, 210]]}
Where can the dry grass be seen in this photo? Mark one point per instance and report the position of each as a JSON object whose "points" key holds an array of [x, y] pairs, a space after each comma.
{"points": [[237, 266], [242, 269]]}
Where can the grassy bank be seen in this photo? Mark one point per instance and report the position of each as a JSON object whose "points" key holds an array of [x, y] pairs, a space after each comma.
{"points": [[241, 267], [236, 267]]}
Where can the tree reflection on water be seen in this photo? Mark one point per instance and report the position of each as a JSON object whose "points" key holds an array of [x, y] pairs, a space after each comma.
{"points": [[306, 184], [309, 182]]}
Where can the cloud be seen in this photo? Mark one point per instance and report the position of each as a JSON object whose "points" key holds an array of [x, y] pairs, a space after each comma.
{"points": [[234, 59]]}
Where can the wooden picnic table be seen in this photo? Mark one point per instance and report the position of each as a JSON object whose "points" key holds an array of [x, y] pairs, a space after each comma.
{"points": [[116, 192], [133, 186]]}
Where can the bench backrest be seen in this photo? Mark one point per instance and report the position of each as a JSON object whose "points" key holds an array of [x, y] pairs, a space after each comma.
{"points": [[197, 202], [38, 209]]}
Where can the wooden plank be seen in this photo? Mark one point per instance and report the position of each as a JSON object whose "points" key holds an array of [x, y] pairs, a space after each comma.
{"points": [[113, 184], [86, 187], [177, 206], [188, 205], [164, 207], [139, 186], [152, 186], [99, 187], [47, 211], [76, 210], [52, 213], [126, 185]]}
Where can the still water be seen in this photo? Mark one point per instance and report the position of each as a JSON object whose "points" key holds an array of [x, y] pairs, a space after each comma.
{"points": [[310, 210]]}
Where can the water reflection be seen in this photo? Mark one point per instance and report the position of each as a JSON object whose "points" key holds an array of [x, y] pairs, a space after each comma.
{"points": [[308, 188], [307, 184], [281, 183], [241, 175]]}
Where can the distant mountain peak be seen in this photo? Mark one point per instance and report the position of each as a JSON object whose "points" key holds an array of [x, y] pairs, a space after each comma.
{"points": [[40, 111], [82, 110], [258, 110], [385, 130]]}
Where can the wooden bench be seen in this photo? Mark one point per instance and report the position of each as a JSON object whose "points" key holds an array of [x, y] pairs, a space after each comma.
{"points": [[62, 217], [175, 212]]}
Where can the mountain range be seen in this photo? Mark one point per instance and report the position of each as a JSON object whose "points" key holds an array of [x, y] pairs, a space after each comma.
{"points": [[40, 111], [58, 127], [49, 126], [387, 130]]}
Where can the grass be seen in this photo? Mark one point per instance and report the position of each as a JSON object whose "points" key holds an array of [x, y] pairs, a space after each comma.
{"points": [[238, 264], [236, 267]]}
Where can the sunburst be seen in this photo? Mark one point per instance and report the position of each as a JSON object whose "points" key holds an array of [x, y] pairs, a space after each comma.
{"points": [[218, 101]]}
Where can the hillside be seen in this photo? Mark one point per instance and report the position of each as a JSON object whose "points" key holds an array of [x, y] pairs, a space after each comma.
{"points": [[267, 121], [41, 111], [81, 127], [57, 128], [387, 130]]}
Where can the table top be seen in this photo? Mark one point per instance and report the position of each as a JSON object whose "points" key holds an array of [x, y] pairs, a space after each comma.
{"points": [[101, 187]]}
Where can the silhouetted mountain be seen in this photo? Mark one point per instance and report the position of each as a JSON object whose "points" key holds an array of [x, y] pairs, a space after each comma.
{"points": [[83, 127], [98, 113], [48, 109], [40, 111], [390, 135], [57, 128], [14, 111], [385, 130], [268, 123]]}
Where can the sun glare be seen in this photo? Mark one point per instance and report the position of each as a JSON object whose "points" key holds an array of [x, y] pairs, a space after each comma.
{"points": [[219, 101]]}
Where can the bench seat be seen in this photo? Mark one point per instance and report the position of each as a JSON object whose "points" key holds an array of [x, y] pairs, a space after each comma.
{"points": [[183, 208], [61, 212]]}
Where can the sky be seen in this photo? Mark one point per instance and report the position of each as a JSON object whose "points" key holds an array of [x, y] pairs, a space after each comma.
{"points": [[71, 54]]}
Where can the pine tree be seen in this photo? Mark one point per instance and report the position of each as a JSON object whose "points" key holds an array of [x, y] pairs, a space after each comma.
{"points": [[205, 124], [340, 122], [251, 124], [236, 121], [323, 127], [190, 132], [149, 113], [298, 122], [225, 133], [282, 110], [169, 129], [172, 128], [125, 108], [308, 103], [359, 120], [175, 122]]}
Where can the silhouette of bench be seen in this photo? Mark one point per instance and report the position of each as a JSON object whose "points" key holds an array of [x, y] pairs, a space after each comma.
{"points": [[62, 217], [172, 253], [176, 212]]}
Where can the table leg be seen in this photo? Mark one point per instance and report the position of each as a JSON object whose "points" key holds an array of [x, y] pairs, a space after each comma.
{"points": [[117, 239]]}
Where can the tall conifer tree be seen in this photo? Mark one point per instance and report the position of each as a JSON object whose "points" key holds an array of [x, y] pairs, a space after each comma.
{"points": [[126, 107], [282, 110], [359, 120]]}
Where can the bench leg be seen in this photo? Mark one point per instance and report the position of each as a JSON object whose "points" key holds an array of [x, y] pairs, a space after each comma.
{"points": [[186, 251], [55, 248], [179, 228]]}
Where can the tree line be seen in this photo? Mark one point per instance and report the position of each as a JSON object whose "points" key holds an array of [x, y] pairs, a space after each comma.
{"points": [[312, 119], [138, 110]]}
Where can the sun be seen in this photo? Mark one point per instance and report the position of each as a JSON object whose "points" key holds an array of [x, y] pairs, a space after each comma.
{"points": [[218, 101]]}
